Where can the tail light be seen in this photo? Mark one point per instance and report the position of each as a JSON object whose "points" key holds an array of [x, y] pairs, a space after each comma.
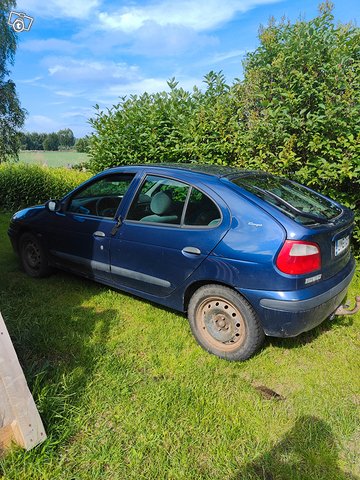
{"points": [[297, 257]]}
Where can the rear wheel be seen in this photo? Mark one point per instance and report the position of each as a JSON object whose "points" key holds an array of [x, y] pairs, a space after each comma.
{"points": [[33, 256], [224, 323]]}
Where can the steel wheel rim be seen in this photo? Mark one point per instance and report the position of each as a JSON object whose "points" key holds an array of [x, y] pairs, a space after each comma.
{"points": [[32, 255], [221, 323]]}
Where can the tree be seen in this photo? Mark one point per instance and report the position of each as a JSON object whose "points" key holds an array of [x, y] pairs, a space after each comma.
{"points": [[12, 116], [51, 142], [66, 138], [34, 141], [82, 144]]}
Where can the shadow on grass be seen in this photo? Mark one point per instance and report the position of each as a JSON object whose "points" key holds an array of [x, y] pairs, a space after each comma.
{"points": [[59, 340], [307, 451]]}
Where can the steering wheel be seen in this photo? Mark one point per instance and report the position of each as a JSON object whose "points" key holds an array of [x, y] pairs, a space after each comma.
{"points": [[106, 206]]}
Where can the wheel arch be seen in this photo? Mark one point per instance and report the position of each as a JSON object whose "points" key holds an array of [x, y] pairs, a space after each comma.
{"points": [[25, 229], [20, 233], [191, 289]]}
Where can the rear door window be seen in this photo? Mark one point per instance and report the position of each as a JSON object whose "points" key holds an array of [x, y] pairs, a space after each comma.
{"points": [[160, 200], [201, 210], [164, 200], [296, 201]]}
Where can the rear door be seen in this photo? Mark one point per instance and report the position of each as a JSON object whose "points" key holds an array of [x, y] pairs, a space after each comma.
{"points": [[171, 227]]}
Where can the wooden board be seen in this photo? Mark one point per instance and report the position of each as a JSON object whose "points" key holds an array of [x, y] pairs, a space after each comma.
{"points": [[20, 421]]}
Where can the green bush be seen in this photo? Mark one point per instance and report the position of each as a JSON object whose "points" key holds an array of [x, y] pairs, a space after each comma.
{"points": [[174, 126], [24, 185]]}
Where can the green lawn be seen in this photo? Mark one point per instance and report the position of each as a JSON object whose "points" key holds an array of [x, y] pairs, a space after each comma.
{"points": [[126, 393], [52, 159]]}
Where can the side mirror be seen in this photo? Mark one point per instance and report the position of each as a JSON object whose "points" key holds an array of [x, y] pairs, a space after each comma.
{"points": [[53, 205]]}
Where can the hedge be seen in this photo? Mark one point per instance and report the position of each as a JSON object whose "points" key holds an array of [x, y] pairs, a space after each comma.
{"points": [[24, 185]]}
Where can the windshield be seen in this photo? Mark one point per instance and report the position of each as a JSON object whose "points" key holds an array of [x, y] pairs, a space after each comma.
{"points": [[303, 205]]}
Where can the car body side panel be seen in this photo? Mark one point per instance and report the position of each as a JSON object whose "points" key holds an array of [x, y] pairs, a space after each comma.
{"points": [[324, 235]]}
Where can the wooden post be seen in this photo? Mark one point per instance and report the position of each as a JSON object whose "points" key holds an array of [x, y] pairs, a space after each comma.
{"points": [[20, 421]]}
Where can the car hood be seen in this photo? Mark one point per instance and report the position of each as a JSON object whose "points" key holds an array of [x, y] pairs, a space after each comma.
{"points": [[27, 213]]}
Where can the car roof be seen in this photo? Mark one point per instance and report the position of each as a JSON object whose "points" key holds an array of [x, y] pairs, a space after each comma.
{"points": [[212, 170]]}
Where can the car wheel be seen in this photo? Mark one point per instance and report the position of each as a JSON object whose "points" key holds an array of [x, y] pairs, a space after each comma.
{"points": [[33, 256], [224, 323]]}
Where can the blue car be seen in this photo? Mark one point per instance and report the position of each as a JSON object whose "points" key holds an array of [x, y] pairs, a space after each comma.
{"points": [[244, 253]]}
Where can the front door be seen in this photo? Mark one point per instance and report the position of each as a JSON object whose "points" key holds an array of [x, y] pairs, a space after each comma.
{"points": [[79, 236]]}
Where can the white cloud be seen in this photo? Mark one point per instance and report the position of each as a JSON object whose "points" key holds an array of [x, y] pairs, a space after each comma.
{"points": [[50, 45], [149, 85], [78, 113], [68, 93], [41, 123], [222, 57], [95, 80], [31, 81], [168, 40], [199, 16], [69, 70], [111, 95], [79, 9]]}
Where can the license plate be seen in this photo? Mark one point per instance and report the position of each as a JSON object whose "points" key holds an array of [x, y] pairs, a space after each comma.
{"points": [[341, 245]]}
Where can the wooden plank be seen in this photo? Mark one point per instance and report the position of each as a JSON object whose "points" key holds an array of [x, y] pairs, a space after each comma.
{"points": [[19, 418], [6, 437]]}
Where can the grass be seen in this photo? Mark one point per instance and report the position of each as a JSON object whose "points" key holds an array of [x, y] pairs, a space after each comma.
{"points": [[52, 159], [126, 393]]}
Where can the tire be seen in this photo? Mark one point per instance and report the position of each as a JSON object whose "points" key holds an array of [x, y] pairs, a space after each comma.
{"points": [[33, 256], [224, 323]]}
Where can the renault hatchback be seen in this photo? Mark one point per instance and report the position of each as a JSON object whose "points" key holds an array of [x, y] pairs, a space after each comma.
{"points": [[244, 253]]}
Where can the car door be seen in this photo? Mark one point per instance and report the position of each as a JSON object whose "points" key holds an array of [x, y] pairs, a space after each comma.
{"points": [[79, 235], [170, 228]]}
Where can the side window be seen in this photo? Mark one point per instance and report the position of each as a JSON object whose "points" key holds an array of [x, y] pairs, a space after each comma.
{"points": [[161, 200], [201, 210], [102, 198]]}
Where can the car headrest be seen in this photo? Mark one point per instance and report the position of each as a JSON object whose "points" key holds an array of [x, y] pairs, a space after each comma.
{"points": [[160, 203]]}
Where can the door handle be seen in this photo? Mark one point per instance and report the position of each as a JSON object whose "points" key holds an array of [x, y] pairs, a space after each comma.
{"points": [[98, 233], [192, 250]]}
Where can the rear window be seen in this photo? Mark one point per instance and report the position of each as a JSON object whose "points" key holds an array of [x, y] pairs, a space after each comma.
{"points": [[303, 205]]}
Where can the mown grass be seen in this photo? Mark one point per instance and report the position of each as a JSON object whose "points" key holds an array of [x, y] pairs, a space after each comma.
{"points": [[52, 159], [126, 393]]}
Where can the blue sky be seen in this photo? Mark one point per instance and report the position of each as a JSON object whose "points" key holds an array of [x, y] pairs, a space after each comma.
{"points": [[82, 52]]}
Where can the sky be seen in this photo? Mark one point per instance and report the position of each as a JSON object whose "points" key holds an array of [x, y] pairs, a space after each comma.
{"points": [[79, 53]]}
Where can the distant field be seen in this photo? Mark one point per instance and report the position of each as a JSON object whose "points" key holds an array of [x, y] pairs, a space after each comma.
{"points": [[52, 159]]}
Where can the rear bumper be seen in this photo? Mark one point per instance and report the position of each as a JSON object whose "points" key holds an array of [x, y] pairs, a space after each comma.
{"points": [[287, 314]]}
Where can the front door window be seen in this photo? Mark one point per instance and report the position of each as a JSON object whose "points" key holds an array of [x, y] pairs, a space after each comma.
{"points": [[102, 197]]}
